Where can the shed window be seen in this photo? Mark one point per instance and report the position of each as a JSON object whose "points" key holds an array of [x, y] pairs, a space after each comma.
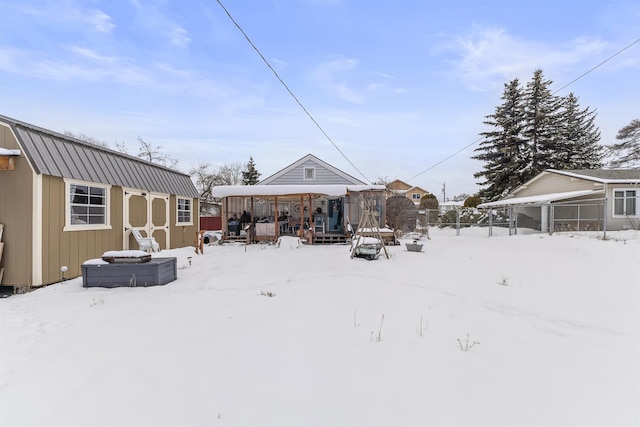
{"points": [[625, 202], [184, 211], [87, 206], [309, 174]]}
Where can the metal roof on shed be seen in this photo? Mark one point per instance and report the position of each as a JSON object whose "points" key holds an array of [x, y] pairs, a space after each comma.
{"points": [[59, 155]]}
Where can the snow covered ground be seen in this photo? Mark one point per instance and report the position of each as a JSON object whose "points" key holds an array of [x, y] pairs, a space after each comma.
{"points": [[295, 336]]}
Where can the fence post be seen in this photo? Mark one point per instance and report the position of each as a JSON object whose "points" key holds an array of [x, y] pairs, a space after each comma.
{"points": [[490, 222], [457, 222], [510, 220], [604, 235]]}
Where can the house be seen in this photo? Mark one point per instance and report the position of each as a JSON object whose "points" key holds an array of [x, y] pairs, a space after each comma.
{"points": [[562, 200], [413, 192], [308, 198], [450, 205], [63, 201]]}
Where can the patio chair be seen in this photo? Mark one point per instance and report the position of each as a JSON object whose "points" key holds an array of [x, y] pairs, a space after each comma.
{"points": [[146, 243]]}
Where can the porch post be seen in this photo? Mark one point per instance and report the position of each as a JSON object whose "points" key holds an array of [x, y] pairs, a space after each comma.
{"points": [[301, 215], [275, 217], [310, 223]]}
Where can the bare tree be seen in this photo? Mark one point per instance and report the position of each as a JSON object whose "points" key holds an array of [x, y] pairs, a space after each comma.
{"points": [[85, 138], [401, 213], [627, 152], [153, 154], [230, 174]]}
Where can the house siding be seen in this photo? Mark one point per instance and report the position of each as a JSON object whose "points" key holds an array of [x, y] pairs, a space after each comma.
{"points": [[16, 213], [322, 176], [555, 183], [621, 223]]}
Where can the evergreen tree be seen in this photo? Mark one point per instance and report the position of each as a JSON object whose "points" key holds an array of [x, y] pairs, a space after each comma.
{"points": [[534, 130], [250, 174], [578, 137], [541, 125], [627, 153], [503, 150]]}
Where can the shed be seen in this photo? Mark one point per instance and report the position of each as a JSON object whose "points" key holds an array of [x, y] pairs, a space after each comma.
{"points": [[65, 201]]}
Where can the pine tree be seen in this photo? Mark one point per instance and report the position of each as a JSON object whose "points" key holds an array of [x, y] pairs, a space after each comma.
{"points": [[577, 145], [627, 153], [534, 130], [250, 174], [541, 125], [503, 150]]}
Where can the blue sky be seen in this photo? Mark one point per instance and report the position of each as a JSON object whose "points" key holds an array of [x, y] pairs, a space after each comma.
{"points": [[397, 85]]}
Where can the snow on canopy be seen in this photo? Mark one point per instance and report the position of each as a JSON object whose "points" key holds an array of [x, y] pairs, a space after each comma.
{"points": [[290, 190]]}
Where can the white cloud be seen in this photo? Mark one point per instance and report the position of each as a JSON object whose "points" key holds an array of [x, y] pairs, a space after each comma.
{"points": [[99, 21], [178, 36], [488, 57], [345, 79]]}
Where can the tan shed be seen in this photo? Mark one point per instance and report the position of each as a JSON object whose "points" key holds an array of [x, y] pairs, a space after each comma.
{"points": [[63, 201]]}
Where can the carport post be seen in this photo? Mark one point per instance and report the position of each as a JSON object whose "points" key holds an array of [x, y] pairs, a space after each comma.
{"points": [[490, 222], [552, 219]]}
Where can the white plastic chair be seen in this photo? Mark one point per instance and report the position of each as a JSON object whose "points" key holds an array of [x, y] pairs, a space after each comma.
{"points": [[146, 243]]}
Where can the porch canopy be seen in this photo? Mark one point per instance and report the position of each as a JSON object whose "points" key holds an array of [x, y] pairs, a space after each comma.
{"points": [[293, 207], [290, 190], [541, 199]]}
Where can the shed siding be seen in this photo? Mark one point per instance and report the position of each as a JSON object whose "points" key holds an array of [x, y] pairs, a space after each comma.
{"points": [[555, 183], [182, 235], [72, 248], [16, 213]]}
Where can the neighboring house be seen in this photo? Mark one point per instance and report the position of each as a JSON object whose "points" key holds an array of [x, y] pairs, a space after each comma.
{"points": [[312, 171], [309, 194], [413, 192], [559, 200], [450, 205], [63, 201]]}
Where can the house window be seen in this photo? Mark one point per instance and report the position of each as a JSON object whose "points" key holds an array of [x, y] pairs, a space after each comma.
{"points": [[625, 202], [309, 174], [87, 206], [415, 196], [184, 211]]}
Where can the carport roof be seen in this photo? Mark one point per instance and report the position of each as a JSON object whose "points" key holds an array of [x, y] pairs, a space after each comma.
{"points": [[541, 199]]}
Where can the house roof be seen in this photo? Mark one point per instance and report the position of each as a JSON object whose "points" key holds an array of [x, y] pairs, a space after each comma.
{"points": [[603, 175], [311, 157], [290, 190], [51, 153], [539, 199]]}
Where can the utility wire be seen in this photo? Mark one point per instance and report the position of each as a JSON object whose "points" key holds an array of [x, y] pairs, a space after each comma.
{"points": [[563, 87], [289, 90]]}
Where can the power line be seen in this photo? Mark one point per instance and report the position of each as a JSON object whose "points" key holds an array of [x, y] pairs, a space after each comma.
{"points": [[563, 87], [289, 90]]}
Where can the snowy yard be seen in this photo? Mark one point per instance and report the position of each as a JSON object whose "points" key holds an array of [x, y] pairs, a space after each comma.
{"points": [[266, 336]]}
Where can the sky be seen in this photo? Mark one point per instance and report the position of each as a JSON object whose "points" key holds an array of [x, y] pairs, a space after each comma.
{"points": [[261, 335], [397, 90]]}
